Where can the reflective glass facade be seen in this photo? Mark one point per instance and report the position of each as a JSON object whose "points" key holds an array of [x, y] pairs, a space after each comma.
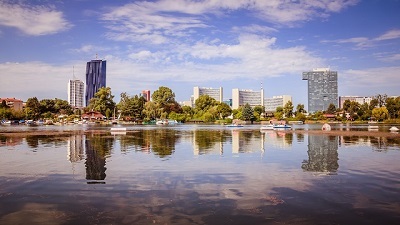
{"points": [[322, 89], [95, 78]]}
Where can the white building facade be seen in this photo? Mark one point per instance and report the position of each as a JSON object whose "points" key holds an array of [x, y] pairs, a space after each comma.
{"points": [[271, 104], [76, 93], [358, 99], [243, 97], [216, 93]]}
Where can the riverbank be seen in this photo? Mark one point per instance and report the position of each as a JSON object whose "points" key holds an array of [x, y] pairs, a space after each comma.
{"points": [[66, 133]]}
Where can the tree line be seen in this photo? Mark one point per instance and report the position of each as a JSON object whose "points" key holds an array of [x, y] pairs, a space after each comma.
{"points": [[206, 108]]}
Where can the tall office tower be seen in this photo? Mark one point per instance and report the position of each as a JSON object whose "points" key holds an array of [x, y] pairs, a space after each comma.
{"points": [[146, 95], [76, 92], [215, 93], [241, 97], [322, 89], [95, 78]]}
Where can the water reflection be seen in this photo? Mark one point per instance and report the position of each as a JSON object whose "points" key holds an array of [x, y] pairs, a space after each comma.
{"points": [[322, 154], [177, 176], [97, 148]]}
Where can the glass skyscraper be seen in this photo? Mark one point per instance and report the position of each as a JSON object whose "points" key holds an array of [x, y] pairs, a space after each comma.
{"points": [[95, 78], [322, 89]]}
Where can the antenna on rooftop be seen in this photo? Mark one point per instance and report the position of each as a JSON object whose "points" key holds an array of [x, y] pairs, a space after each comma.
{"points": [[96, 55], [261, 85], [73, 73]]}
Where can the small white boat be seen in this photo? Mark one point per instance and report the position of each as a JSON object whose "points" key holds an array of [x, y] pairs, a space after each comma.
{"points": [[234, 125], [373, 127], [267, 127], [394, 129], [282, 126]]}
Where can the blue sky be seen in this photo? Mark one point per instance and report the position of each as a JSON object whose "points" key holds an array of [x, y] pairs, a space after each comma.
{"points": [[208, 43]]}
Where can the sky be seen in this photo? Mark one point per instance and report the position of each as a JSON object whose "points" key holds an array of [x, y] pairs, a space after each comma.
{"points": [[180, 44]]}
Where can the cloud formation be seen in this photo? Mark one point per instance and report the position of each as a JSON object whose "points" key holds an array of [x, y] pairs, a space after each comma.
{"points": [[32, 20]]}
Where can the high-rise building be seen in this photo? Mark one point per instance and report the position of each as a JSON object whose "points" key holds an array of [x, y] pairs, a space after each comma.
{"points": [[271, 104], [215, 93], [322, 89], [242, 97], [76, 92], [146, 95], [95, 78]]}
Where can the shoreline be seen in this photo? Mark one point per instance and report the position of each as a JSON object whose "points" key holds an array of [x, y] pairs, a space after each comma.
{"points": [[299, 131]]}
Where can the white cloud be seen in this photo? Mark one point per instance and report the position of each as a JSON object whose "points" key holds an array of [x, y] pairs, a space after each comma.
{"points": [[32, 20], [157, 22], [364, 42], [391, 34], [380, 79]]}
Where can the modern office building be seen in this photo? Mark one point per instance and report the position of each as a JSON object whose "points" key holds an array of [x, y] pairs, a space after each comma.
{"points": [[358, 99], [271, 104], [322, 89], [242, 97], [216, 93], [95, 78], [76, 90], [146, 95]]}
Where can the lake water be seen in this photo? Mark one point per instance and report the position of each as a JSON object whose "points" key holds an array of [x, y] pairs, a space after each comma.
{"points": [[190, 174]]}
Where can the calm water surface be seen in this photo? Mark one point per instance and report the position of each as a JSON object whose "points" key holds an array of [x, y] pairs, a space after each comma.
{"points": [[198, 175]]}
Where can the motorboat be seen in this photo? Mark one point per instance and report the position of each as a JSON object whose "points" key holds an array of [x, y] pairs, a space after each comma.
{"points": [[281, 126], [234, 125], [267, 127]]}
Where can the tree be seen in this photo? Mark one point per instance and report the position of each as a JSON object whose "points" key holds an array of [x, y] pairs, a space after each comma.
{"points": [[152, 111], [224, 110], [288, 109], [247, 113], [300, 109], [204, 102], [4, 105], [165, 99], [102, 100], [32, 108], [131, 106], [380, 113], [393, 107], [331, 109]]}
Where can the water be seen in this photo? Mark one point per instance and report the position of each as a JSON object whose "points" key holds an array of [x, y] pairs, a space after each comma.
{"points": [[197, 175]]}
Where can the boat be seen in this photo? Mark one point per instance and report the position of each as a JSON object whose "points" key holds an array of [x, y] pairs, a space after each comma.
{"points": [[166, 122], [373, 127], [394, 129], [234, 125], [267, 127], [282, 126]]}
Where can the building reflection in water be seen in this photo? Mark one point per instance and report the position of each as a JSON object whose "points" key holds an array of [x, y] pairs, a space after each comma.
{"points": [[277, 139], [75, 148], [322, 154], [97, 148], [209, 141]]}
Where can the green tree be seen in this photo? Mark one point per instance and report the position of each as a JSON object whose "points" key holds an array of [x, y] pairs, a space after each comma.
{"points": [[288, 109], [278, 114], [247, 113], [224, 110], [393, 107], [204, 102], [331, 109], [300, 109], [152, 111], [32, 108], [4, 105], [102, 100], [373, 104], [380, 113], [165, 99]]}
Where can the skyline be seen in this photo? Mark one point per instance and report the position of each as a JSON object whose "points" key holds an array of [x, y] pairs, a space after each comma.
{"points": [[182, 44]]}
